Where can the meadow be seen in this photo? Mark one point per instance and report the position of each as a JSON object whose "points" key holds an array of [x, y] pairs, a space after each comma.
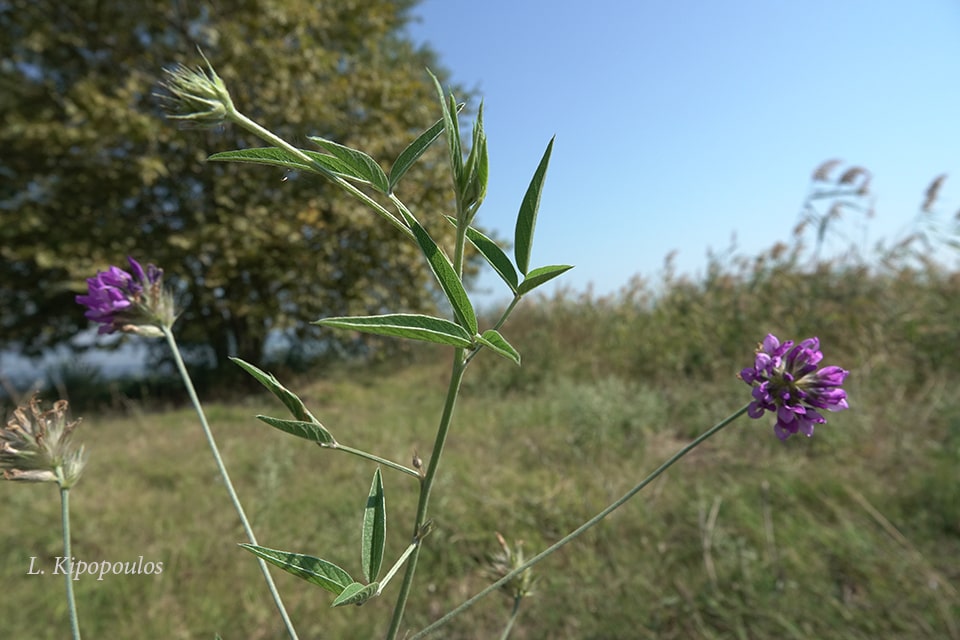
{"points": [[854, 533]]}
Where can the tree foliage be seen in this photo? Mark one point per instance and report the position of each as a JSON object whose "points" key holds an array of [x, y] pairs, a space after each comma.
{"points": [[91, 171]]}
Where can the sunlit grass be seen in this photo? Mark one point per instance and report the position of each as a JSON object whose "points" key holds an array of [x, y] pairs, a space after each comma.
{"points": [[853, 534]]}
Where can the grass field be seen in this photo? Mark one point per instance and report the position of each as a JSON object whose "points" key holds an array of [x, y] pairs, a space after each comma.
{"points": [[854, 533]]}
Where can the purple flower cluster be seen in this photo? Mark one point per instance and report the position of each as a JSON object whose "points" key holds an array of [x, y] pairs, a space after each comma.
{"points": [[122, 301], [786, 380]]}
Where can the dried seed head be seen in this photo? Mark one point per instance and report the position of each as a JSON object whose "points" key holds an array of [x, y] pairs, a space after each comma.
{"points": [[851, 175], [508, 559], [35, 445], [822, 173], [932, 192]]}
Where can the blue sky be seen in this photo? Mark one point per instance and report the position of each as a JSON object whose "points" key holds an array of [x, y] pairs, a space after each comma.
{"points": [[681, 123]]}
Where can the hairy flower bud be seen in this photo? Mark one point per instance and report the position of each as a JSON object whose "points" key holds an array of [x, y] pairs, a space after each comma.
{"points": [[198, 95]]}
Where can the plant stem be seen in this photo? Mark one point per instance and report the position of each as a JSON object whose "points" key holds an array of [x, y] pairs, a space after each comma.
{"points": [[503, 318], [65, 519], [272, 138], [582, 528], [396, 466], [396, 566], [453, 390], [188, 383], [513, 617]]}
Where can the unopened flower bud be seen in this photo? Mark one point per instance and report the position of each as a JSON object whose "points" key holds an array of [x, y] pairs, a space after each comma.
{"points": [[198, 95]]}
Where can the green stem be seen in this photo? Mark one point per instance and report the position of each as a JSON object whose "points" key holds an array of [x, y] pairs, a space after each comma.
{"points": [[453, 390], [506, 312], [188, 383], [396, 566], [582, 528], [503, 318], [65, 519], [369, 456], [272, 138], [513, 617]]}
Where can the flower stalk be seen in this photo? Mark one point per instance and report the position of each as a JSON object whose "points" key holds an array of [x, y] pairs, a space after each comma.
{"points": [[37, 446], [222, 468], [576, 533], [67, 553]]}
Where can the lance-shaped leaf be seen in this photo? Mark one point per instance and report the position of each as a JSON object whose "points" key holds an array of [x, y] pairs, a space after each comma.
{"points": [[374, 534], [314, 570], [527, 218], [311, 431], [413, 152], [538, 276], [360, 165], [493, 254], [452, 128], [446, 276], [287, 397], [404, 325], [277, 157], [499, 345], [356, 593]]}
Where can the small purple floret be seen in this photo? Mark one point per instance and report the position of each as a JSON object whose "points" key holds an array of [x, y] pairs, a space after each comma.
{"points": [[786, 381], [115, 298]]}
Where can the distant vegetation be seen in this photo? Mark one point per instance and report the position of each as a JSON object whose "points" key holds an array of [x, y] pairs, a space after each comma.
{"points": [[852, 534]]}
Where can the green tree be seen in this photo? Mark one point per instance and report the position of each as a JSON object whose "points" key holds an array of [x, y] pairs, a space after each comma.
{"points": [[91, 171]]}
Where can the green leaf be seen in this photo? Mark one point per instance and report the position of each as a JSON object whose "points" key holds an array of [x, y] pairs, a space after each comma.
{"points": [[499, 345], [360, 165], [527, 218], [476, 171], [493, 254], [307, 430], [374, 535], [452, 128], [540, 275], [404, 325], [446, 276], [287, 397], [277, 157], [314, 570], [356, 593], [413, 151]]}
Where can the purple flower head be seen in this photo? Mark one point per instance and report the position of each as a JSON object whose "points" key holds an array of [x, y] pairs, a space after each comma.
{"points": [[786, 381], [121, 301]]}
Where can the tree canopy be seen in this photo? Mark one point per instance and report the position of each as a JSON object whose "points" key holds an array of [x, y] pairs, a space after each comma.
{"points": [[91, 171]]}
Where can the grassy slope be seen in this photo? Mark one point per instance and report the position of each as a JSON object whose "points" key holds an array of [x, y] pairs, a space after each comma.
{"points": [[853, 534]]}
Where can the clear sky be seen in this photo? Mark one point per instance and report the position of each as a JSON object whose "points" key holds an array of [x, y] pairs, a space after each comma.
{"points": [[679, 123]]}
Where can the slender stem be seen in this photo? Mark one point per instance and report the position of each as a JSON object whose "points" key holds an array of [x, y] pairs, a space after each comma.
{"points": [[503, 318], [65, 519], [188, 383], [513, 617], [369, 456], [456, 377], [272, 138], [459, 246], [582, 528], [506, 312], [396, 566]]}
